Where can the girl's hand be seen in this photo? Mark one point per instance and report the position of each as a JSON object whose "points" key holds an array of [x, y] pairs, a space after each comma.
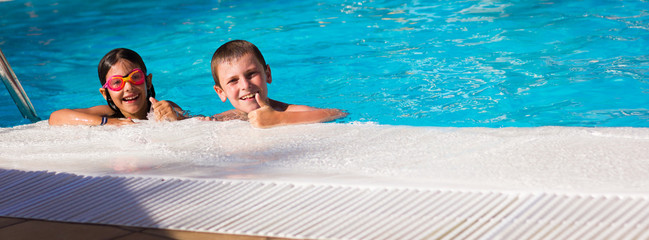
{"points": [[165, 110], [119, 121]]}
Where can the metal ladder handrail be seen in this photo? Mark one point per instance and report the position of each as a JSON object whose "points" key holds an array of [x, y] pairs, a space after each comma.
{"points": [[16, 90]]}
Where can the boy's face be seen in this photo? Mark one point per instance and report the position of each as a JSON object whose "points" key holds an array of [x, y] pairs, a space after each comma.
{"points": [[240, 80]]}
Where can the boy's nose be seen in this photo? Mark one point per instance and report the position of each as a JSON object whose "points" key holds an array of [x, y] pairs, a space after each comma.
{"points": [[244, 83]]}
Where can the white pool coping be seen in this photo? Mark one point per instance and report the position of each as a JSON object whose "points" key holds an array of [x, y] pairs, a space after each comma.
{"points": [[552, 182]]}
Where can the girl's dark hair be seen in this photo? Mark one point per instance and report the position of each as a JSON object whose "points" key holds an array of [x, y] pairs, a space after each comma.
{"points": [[110, 59]]}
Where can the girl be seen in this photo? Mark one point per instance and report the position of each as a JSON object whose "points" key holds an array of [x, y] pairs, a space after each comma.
{"points": [[128, 92]]}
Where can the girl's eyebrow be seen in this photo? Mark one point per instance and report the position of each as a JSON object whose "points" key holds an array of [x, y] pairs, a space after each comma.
{"points": [[118, 75], [129, 73]]}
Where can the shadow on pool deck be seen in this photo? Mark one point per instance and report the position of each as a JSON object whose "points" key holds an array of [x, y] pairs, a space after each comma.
{"points": [[27, 229], [32, 197], [85, 207]]}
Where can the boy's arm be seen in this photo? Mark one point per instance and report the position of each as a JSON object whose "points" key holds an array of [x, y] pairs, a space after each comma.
{"points": [[85, 116], [266, 116], [233, 114]]}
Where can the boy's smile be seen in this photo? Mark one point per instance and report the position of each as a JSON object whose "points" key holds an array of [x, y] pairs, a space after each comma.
{"points": [[240, 80]]}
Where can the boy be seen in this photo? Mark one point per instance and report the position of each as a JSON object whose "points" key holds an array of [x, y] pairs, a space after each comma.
{"points": [[241, 76]]}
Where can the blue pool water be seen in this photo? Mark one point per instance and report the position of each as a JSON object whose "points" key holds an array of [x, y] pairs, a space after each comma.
{"points": [[419, 63]]}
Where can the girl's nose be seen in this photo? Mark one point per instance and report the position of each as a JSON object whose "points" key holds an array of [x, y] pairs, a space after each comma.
{"points": [[127, 86]]}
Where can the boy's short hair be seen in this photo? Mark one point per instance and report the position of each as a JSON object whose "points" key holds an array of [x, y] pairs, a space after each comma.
{"points": [[233, 50]]}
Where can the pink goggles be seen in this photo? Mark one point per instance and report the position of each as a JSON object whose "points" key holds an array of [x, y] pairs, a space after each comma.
{"points": [[117, 82]]}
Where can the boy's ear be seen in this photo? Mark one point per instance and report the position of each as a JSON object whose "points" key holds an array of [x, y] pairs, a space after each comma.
{"points": [[269, 77], [221, 93], [103, 93]]}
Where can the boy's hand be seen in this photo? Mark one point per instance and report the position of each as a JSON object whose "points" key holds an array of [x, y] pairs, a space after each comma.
{"points": [[165, 110], [265, 116]]}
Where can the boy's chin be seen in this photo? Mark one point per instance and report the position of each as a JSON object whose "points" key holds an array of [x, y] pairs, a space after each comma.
{"points": [[248, 108]]}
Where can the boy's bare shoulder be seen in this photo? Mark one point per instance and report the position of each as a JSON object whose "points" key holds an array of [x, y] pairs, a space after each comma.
{"points": [[299, 108], [285, 107]]}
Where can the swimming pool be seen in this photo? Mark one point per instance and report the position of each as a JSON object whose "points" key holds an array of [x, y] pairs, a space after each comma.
{"points": [[433, 63], [453, 72]]}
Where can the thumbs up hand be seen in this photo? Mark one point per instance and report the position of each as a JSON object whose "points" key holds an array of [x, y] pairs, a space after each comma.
{"points": [[265, 116], [166, 110]]}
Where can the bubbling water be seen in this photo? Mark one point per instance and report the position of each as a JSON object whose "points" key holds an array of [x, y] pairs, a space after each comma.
{"points": [[547, 158]]}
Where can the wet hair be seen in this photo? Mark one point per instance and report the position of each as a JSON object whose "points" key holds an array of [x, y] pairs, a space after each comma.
{"points": [[110, 59], [233, 50]]}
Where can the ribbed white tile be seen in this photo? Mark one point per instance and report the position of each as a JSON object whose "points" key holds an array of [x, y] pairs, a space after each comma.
{"points": [[319, 211]]}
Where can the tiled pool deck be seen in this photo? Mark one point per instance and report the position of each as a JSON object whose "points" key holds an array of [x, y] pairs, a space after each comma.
{"points": [[27, 229], [46, 205]]}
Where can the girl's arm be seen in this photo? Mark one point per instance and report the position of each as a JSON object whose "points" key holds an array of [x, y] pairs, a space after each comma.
{"points": [[85, 116]]}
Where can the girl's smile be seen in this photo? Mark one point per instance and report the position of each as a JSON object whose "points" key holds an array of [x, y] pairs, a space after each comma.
{"points": [[130, 99]]}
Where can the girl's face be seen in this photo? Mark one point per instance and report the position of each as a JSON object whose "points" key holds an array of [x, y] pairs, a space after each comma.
{"points": [[132, 99]]}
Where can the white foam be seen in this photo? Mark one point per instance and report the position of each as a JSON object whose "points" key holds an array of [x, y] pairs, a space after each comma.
{"points": [[531, 159]]}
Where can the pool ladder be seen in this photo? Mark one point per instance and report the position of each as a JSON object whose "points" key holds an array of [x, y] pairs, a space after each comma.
{"points": [[16, 90]]}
